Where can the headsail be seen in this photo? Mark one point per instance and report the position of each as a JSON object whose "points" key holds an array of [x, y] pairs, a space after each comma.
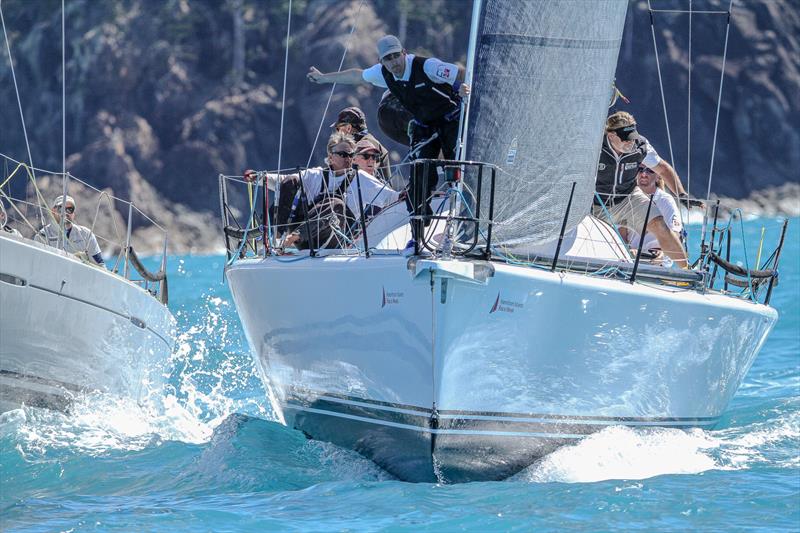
{"points": [[542, 79]]}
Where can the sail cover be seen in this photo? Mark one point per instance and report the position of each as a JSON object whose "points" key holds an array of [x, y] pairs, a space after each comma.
{"points": [[542, 79]]}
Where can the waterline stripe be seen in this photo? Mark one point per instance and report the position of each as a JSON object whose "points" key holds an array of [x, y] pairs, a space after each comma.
{"points": [[311, 395], [437, 431]]}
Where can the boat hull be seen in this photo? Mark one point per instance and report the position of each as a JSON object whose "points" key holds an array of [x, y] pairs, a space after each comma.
{"points": [[464, 371], [68, 328]]}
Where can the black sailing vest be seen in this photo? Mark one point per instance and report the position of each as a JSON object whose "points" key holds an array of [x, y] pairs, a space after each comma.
{"points": [[616, 173], [427, 100]]}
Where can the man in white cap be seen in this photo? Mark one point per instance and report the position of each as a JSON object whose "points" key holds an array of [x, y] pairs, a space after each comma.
{"points": [[427, 87], [80, 239]]}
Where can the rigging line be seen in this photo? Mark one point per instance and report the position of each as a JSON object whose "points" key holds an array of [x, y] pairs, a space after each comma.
{"points": [[16, 87], [661, 83], [716, 118], [64, 128], [11, 202], [688, 132], [280, 138], [63, 94], [285, 73], [333, 87]]}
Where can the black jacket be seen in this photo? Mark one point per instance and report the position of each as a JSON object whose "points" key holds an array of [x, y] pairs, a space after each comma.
{"points": [[616, 173], [427, 100]]}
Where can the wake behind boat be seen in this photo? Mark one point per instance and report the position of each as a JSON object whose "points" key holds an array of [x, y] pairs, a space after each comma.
{"points": [[520, 323]]}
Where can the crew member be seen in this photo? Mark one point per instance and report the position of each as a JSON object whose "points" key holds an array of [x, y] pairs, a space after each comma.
{"points": [[624, 149]]}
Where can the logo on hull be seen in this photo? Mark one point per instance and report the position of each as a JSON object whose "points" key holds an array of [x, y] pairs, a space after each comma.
{"points": [[505, 306], [390, 297]]}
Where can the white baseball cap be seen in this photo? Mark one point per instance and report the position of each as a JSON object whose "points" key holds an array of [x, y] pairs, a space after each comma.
{"points": [[388, 44], [60, 200]]}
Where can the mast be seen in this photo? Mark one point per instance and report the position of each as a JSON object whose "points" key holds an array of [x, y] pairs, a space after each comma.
{"points": [[473, 40]]}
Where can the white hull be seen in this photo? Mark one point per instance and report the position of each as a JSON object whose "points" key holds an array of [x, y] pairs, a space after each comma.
{"points": [[67, 328], [471, 371]]}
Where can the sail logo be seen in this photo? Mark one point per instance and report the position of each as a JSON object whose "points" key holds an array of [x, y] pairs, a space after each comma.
{"points": [[390, 297], [505, 306], [511, 156]]}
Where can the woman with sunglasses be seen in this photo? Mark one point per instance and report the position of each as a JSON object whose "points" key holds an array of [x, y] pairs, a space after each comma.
{"points": [[79, 239], [332, 190]]}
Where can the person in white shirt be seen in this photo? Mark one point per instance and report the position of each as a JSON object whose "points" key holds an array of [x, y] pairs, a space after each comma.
{"points": [[79, 239], [426, 86], [330, 193], [664, 205]]}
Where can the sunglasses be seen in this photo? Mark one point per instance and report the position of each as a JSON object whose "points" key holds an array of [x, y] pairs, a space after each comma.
{"points": [[69, 209], [346, 155], [625, 132], [392, 56], [369, 156]]}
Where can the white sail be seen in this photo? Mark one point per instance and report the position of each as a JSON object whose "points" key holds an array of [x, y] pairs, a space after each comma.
{"points": [[542, 78]]}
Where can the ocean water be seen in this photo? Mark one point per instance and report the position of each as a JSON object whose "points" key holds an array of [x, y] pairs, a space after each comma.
{"points": [[205, 454]]}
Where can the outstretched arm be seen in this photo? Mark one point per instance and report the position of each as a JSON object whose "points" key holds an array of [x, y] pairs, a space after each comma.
{"points": [[670, 177], [352, 76]]}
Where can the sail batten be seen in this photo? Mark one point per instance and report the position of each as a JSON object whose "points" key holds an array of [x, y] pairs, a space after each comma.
{"points": [[543, 72]]}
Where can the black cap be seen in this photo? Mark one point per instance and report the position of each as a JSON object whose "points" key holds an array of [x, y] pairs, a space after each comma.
{"points": [[350, 115], [627, 133]]}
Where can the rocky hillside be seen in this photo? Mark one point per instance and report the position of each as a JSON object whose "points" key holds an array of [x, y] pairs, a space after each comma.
{"points": [[163, 95]]}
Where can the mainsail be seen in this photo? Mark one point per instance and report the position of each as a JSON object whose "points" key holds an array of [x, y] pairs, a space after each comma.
{"points": [[542, 80]]}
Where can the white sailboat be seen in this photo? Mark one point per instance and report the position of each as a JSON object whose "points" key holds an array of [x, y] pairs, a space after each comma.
{"points": [[506, 342], [69, 326]]}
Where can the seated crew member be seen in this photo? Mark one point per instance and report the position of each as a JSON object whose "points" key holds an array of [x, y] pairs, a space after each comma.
{"points": [[622, 153], [352, 121], [428, 87], [80, 239], [331, 192], [5, 229], [367, 156], [652, 184]]}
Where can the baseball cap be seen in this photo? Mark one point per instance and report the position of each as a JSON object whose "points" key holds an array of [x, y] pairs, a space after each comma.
{"points": [[627, 133], [388, 44], [350, 115], [365, 145], [60, 199]]}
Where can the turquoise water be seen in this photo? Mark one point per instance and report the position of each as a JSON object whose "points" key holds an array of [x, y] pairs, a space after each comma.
{"points": [[206, 455]]}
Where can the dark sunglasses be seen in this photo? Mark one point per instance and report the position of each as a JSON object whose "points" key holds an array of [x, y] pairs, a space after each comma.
{"points": [[344, 154], [625, 132], [392, 56], [369, 156], [69, 209]]}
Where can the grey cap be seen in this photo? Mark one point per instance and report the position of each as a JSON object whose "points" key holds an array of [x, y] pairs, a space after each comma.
{"points": [[60, 199], [388, 44]]}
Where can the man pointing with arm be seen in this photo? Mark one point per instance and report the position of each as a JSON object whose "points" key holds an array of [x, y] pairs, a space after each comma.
{"points": [[427, 87]]}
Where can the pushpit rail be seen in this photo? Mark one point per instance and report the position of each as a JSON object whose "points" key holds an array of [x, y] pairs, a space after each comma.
{"points": [[28, 213]]}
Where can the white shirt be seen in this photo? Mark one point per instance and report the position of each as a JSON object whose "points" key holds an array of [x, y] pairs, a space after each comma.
{"points": [[79, 239], [373, 191], [667, 208], [438, 72]]}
